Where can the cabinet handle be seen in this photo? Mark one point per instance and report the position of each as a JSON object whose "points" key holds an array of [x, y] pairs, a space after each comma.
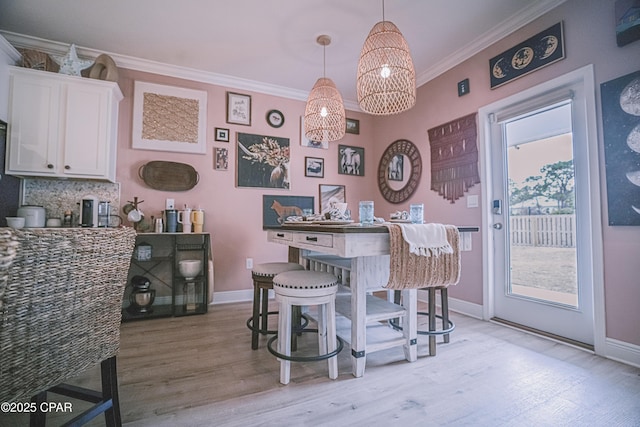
{"points": [[50, 166], [67, 167], [312, 239], [279, 234]]}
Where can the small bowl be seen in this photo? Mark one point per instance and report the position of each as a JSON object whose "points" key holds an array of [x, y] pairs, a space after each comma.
{"points": [[15, 221], [190, 268], [54, 222]]}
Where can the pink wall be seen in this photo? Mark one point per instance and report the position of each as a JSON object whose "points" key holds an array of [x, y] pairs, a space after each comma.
{"points": [[589, 39], [233, 215]]}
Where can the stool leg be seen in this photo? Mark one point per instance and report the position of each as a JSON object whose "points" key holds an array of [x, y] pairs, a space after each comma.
{"points": [[322, 329], [297, 322], [265, 311], [432, 320], [284, 340], [256, 316], [444, 303], [332, 344]]}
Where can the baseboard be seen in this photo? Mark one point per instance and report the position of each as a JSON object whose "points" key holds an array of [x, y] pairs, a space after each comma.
{"points": [[622, 352], [227, 297], [459, 306]]}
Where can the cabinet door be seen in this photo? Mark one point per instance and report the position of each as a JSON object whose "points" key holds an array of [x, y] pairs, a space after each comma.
{"points": [[34, 125], [86, 149]]}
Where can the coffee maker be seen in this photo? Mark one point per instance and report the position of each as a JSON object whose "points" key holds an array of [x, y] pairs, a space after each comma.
{"points": [[89, 212]]}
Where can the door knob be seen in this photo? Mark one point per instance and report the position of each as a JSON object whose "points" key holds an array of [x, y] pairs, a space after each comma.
{"points": [[497, 226]]}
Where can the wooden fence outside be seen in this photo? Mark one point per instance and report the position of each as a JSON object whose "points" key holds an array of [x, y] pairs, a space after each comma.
{"points": [[557, 231]]}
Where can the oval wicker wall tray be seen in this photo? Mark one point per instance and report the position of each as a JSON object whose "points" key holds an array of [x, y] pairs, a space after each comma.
{"points": [[168, 176]]}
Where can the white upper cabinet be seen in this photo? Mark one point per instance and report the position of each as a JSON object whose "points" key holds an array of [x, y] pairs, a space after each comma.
{"points": [[62, 126]]}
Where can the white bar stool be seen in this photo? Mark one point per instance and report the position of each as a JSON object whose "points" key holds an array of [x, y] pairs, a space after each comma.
{"points": [[306, 288]]}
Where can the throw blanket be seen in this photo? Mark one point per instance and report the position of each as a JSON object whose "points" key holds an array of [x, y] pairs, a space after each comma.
{"points": [[426, 239], [411, 271]]}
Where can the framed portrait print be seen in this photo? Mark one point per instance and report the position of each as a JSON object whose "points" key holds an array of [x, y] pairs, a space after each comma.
{"points": [[353, 126], [314, 167], [331, 194], [238, 109], [168, 118], [222, 135], [221, 157]]}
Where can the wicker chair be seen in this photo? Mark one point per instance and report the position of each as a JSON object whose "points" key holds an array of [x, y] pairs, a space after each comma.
{"points": [[60, 316]]}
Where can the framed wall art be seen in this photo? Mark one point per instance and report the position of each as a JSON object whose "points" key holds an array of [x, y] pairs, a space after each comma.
{"points": [[238, 109], [627, 21], [275, 118], [353, 126], [222, 135], [621, 131], [350, 160], [221, 156], [331, 194], [314, 167], [541, 50], [276, 209], [168, 118], [306, 142], [263, 161]]}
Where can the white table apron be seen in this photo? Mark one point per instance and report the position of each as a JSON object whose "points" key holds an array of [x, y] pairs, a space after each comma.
{"points": [[366, 254]]}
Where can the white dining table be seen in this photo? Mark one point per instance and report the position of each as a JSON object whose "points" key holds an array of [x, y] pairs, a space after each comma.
{"points": [[361, 255]]}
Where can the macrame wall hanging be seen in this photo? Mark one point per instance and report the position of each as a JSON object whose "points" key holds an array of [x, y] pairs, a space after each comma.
{"points": [[454, 157]]}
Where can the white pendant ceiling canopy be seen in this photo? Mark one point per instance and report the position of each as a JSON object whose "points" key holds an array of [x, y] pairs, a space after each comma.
{"points": [[324, 116]]}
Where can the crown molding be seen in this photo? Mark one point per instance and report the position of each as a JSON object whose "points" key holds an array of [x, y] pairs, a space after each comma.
{"points": [[535, 10], [139, 64], [6, 49]]}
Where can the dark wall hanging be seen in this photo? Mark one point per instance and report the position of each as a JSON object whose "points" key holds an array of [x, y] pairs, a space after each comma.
{"points": [[621, 129], [454, 157], [539, 51]]}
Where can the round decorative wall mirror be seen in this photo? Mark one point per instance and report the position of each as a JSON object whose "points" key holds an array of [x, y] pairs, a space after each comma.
{"points": [[399, 171]]}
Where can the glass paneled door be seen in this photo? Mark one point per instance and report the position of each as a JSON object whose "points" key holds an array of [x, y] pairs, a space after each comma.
{"points": [[541, 213]]}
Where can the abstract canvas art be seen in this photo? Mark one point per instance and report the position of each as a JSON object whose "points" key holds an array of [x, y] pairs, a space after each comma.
{"points": [[621, 128]]}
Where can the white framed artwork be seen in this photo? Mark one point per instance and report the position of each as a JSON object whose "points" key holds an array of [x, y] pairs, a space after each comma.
{"points": [[168, 118]]}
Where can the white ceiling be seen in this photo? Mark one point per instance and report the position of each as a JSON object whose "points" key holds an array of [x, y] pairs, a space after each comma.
{"points": [[270, 42]]}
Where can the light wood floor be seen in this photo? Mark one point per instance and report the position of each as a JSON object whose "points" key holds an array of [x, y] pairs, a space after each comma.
{"points": [[200, 371]]}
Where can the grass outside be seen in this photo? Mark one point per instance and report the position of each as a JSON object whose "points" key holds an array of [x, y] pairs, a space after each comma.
{"points": [[547, 268]]}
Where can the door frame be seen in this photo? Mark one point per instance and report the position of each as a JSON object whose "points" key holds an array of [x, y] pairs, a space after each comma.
{"points": [[585, 77]]}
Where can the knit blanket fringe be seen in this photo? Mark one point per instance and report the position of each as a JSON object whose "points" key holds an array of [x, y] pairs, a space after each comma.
{"points": [[408, 270]]}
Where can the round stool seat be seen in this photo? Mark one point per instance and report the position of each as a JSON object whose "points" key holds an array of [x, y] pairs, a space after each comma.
{"points": [[262, 275], [270, 269], [306, 284]]}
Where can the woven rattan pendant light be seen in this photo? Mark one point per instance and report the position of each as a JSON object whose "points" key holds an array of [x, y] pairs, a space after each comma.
{"points": [[324, 117], [386, 78]]}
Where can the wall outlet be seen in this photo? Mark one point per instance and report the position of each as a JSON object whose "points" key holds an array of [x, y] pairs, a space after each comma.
{"points": [[170, 204], [249, 263]]}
